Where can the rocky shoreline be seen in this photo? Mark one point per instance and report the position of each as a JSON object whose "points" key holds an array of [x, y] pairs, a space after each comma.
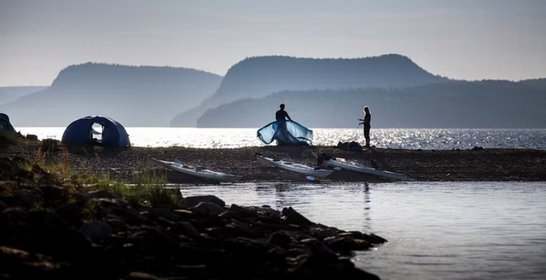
{"points": [[57, 230]]}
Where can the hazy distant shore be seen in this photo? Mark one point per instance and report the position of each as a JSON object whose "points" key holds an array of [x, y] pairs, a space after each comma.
{"points": [[419, 165]]}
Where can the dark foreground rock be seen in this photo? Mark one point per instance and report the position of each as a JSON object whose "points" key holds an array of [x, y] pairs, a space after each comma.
{"points": [[54, 230]]}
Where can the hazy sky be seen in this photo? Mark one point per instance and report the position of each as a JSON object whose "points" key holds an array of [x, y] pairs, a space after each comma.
{"points": [[463, 39]]}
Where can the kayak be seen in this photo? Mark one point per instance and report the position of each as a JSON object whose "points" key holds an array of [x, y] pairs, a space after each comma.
{"points": [[294, 167], [198, 171], [357, 167]]}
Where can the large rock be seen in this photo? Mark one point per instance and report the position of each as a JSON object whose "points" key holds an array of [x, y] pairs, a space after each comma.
{"points": [[5, 125], [191, 201]]}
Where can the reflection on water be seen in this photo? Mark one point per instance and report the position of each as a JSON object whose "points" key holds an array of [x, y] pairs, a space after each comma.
{"points": [[383, 138], [447, 230]]}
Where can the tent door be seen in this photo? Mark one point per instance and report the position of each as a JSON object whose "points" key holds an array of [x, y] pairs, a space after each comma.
{"points": [[96, 133]]}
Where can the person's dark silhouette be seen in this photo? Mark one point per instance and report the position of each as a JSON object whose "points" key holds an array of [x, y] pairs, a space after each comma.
{"points": [[366, 122], [281, 114], [282, 131]]}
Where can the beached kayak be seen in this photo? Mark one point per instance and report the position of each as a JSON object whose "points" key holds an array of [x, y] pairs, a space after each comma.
{"points": [[357, 167], [198, 171], [294, 167]]}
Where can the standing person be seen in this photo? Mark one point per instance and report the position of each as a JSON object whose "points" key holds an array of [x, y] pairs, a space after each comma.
{"points": [[285, 131], [366, 122], [282, 135], [281, 114]]}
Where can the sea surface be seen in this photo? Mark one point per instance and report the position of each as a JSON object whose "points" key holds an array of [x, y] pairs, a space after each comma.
{"points": [[435, 230], [426, 139]]}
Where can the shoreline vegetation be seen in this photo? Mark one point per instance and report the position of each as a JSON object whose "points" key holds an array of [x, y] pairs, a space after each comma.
{"points": [[96, 213]]}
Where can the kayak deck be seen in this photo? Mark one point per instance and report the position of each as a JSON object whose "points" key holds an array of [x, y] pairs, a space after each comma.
{"points": [[197, 171], [294, 167], [357, 167]]}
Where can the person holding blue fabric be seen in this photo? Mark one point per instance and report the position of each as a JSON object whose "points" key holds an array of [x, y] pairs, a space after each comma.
{"points": [[282, 115], [285, 131], [282, 135]]}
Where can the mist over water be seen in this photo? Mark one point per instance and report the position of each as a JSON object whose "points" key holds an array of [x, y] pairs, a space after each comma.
{"points": [[427, 139]]}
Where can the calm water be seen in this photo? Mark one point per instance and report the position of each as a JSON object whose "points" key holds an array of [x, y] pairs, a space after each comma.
{"points": [[384, 138], [484, 230]]}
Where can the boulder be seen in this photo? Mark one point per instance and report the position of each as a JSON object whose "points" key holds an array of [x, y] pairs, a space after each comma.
{"points": [[207, 209], [20, 264], [191, 201], [5, 125], [293, 217], [96, 231], [54, 195], [279, 238]]}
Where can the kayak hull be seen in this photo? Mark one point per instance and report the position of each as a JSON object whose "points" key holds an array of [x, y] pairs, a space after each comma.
{"points": [[356, 167], [294, 167], [203, 173]]}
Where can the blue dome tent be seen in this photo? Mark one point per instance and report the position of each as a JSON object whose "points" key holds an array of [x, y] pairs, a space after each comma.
{"points": [[82, 132]]}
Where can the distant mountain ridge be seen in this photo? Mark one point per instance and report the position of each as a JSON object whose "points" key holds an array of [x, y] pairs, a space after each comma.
{"points": [[260, 76], [318, 93], [10, 94], [456, 104], [114, 76], [133, 95]]}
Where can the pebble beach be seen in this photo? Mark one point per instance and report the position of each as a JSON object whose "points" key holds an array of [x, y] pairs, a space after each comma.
{"points": [[475, 164]]}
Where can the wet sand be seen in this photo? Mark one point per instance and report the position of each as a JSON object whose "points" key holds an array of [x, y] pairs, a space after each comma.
{"points": [[419, 165]]}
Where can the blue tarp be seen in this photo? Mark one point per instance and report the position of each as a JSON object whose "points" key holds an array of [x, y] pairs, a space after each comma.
{"points": [[285, 133], [81, 132]]}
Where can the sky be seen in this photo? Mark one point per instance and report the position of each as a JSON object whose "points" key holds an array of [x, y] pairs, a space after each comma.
{"points": [[463, 39]]}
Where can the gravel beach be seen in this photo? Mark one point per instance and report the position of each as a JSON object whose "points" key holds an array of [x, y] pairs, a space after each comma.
{"points": [[421, 165]]}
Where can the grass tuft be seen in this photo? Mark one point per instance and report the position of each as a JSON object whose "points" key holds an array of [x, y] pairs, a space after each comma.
{"points": [[144, 189]]}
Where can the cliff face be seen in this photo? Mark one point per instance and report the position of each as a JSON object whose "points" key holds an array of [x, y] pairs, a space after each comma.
{"points": [[98, 76], [135, 96], [260, 76]]}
